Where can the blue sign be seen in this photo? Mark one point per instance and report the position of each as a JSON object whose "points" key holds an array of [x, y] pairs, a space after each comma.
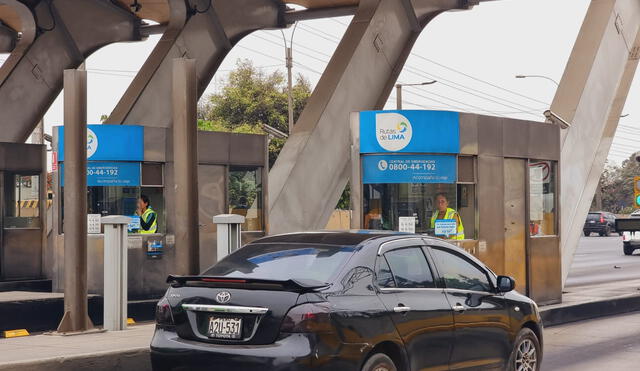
{"points": [[409, 132], [110, 143], [384, 169], [110, 174]]}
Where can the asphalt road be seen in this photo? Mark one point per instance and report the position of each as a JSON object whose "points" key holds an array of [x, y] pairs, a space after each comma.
{"points": [[609, 343], [601, 260]]}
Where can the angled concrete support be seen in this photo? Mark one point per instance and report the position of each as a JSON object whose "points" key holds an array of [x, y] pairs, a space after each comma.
{"points": [[32, 77], [205, 37], [590, 99], [314, 166]]}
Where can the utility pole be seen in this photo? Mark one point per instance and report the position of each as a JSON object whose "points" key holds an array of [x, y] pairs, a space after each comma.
{"points": [[289, 57], [288, 49]]}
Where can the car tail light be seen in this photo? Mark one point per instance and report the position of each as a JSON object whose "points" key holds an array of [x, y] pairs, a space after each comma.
{"points": [[163, 313], [601, 218], [308, 318]]}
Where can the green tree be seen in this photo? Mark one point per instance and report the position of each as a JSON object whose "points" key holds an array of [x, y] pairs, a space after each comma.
{"points": [[616, 187], [251, 98]]}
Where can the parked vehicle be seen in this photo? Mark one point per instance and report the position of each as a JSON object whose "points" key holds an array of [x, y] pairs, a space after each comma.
{"points": [[346, 301], [600, 222]]}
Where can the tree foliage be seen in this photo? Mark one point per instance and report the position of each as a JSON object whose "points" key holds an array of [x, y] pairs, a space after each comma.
{"points": [[616, 187], [251, 98]]}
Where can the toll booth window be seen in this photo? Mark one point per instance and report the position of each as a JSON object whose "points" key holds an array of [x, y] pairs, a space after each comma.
{"points": [[22, 201], [384, 204], [542, 198], [245, 196]]}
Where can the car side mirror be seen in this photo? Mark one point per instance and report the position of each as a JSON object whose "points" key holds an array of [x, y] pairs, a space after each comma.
{"points": [[506, 284]]}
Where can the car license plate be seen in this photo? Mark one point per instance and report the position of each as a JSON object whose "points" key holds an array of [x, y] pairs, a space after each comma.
{"points": [[225, 328]]}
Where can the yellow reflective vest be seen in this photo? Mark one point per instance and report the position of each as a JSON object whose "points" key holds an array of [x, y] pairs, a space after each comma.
{"points": [[450, 214], [146, 216]]}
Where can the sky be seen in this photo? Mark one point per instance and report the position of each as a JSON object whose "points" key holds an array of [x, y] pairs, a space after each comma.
{"points": [[475, 56]]}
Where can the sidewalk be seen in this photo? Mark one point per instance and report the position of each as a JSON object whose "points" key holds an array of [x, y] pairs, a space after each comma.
{"points": [[118, 350]]}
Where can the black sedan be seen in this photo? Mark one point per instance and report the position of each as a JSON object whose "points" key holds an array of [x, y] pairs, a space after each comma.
{"points": [[346, 301]]}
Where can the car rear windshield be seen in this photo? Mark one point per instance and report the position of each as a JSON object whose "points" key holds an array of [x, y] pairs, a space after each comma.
{"points": [[282, 262], [593, 216]]}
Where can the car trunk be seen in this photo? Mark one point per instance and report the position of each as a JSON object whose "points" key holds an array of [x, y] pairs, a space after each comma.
{"points": [[228, 312]]}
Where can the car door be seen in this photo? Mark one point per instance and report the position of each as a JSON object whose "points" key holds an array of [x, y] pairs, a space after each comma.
{"points": [[420, 310], [481, 318]]}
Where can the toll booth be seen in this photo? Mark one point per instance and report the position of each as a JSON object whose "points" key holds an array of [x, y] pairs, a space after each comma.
{"points": [[499, 174], [124, 162], [23, 189]]}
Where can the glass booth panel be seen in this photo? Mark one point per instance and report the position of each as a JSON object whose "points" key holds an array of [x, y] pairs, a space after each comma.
{"points": [[22, 199], [384, 204], [245, 196], [542, 198]]}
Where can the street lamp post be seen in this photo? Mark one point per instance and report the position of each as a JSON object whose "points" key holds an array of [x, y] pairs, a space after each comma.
{"points": [[538, 77], [399, 91]]}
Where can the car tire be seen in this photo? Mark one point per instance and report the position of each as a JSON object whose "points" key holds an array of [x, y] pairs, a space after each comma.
{"points": [[379, 362], [526, 349], [628, 250], [586, 234]]}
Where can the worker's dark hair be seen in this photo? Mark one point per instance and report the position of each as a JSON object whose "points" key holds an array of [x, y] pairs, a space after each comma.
{"points": [[443, 194], [145, 199]]}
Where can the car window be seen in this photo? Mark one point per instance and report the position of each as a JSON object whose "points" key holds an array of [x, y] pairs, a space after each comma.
{"points": [[410, 268], [284, 261], [384, 276], [460, 273]]}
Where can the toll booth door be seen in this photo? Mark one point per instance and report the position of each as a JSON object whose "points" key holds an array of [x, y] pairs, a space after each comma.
{"points": [[515, 195], [21, 227]]}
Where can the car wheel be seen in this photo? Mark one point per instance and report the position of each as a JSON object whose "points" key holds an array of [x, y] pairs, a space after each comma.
{"points": [[526, 355], [586, 234], [379, 362], [628, 250], [607, 231]]}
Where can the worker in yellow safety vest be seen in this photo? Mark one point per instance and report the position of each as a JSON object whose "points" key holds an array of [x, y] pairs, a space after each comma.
{"points": [[148, 216], [445, 212]]}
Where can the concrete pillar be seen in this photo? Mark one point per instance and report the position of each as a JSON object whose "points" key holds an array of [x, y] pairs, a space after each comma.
{"points": [[76, 315], [185, 165]]}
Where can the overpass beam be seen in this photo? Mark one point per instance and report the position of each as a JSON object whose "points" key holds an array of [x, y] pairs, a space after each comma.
{"points": [[206, 37], [31, 78], [314, 165], [591, 97]]}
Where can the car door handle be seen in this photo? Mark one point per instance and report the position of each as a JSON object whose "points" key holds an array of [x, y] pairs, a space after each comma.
{"points": [[458, 308], [402, 309]]}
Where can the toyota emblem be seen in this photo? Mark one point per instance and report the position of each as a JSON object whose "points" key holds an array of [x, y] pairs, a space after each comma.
{"points": [[223, 297]]}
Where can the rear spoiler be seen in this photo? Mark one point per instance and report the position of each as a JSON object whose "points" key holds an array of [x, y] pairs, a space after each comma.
{"points": [[294, 285]]}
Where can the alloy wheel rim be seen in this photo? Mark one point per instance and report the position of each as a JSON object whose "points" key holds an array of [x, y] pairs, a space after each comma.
{"points": [[526, 356]]}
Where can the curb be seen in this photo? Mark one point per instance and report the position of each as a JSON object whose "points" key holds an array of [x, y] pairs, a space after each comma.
{"points": [[130, 359], [45, 314], [558, 315]]}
